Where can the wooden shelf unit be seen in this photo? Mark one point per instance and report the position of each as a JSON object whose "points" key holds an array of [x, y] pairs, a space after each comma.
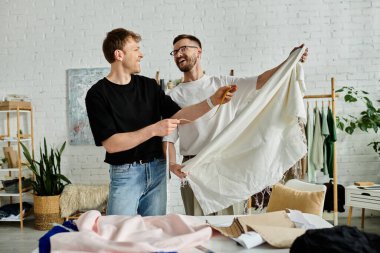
{"points": [[8, 139]]}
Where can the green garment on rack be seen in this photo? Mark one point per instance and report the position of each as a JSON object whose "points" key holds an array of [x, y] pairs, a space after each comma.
{"points": [[330, 142], [325, 134]]}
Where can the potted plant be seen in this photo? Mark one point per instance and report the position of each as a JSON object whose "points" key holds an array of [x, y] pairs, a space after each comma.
{"points": [[367, 119], [48, 184]]}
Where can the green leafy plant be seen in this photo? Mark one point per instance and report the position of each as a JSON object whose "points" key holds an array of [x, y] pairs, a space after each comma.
{"points": [[47, 170], [367, 119]]}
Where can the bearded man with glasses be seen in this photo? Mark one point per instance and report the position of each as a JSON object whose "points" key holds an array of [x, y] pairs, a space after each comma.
{"points": [[196, 86]]}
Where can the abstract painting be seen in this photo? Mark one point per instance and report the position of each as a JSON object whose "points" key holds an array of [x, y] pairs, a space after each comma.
{"points": [[79, 82]]}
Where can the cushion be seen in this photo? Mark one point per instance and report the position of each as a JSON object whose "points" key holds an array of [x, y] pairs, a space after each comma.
{"points": [[283, 197]]}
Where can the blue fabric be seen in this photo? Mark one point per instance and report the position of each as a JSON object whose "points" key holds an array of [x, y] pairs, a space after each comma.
{"points": [[44, 242], [138, 189], [71, 225]]}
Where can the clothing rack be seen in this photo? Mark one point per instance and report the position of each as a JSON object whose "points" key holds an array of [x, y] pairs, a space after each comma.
{"points": [[333, 96]]}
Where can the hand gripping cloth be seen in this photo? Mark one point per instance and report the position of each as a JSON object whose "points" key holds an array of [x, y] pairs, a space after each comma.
{"points": [[255, 150]]}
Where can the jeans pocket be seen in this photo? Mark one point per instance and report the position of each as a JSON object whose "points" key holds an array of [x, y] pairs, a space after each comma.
{"points": [[119, 171], [161, 161]]}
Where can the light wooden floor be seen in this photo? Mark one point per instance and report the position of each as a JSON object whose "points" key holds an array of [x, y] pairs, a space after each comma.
{"points": [[13, 240]]}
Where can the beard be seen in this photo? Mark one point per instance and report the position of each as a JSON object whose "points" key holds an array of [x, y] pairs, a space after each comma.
{"points": [[191, 61]]}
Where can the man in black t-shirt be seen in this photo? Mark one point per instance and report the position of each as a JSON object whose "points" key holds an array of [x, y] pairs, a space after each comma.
{"points": [[125, 112]]}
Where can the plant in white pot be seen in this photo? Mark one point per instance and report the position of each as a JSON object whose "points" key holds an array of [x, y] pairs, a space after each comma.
{"points": [[47, 185]]}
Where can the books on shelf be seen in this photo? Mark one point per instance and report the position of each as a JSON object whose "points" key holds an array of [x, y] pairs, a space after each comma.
{"points": [[358, 183]]}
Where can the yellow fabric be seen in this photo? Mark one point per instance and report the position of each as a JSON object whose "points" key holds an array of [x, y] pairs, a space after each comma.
{"points": [[275, 228], [283, 197]]}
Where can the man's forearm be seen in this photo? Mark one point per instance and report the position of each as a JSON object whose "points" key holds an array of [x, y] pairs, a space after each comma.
{"points": [[169, 146], [264, 77], [173, 166], [128, 140], [192, 112]]}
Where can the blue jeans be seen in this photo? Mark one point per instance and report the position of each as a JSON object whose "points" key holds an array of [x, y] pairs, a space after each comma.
{"points": [[138, 189]]}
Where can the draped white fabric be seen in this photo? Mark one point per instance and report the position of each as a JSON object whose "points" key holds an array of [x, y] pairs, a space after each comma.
{"points": [[255, 150]]}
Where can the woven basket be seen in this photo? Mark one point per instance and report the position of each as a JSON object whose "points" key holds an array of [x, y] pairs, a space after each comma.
{"points": [[46, 212]]}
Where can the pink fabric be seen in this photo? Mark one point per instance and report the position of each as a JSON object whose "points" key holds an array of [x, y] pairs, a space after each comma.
{"points": [[117, 233]]}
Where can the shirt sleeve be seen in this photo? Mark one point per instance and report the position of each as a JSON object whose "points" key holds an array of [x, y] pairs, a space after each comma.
{"points": [[101, 122], [168, 106], [173, 137]]}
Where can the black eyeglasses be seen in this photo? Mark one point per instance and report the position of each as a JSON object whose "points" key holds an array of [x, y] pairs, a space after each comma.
{"points": [[181, 50]]}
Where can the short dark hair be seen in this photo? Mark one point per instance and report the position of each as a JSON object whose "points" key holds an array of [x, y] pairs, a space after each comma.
{"points": [[116, 39], [187, 36]]}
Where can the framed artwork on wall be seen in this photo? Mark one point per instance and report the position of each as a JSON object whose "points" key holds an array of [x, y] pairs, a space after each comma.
{"points": [[79, 82]]}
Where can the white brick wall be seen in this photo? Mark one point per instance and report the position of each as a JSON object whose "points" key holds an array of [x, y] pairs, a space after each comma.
{"points": [[41, 39]]}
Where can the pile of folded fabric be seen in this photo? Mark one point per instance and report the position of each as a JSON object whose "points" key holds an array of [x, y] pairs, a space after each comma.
{"points": [[116, 233], [11, 212]]}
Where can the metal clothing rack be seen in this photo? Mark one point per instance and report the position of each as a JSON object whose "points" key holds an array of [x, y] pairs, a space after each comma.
{"points": [[332, 96]]}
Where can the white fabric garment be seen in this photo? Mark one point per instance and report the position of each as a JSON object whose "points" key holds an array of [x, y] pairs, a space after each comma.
{"points": [[195, 135], [249, 239], [255, 149], [299, 220], [318, 138], [301, 78]]}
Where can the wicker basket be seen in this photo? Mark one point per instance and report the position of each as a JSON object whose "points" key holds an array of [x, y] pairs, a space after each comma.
{"points": [[46, 212]]}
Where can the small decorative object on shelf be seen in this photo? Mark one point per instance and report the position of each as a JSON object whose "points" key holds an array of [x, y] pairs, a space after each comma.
{"points": [[170, 85]]}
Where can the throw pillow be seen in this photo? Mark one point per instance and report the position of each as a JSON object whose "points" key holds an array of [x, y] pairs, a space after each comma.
{"points": [[283, 197]]}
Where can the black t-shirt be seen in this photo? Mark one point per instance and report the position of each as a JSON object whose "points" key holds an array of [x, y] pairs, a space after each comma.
{"points": [[113, 108]]}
